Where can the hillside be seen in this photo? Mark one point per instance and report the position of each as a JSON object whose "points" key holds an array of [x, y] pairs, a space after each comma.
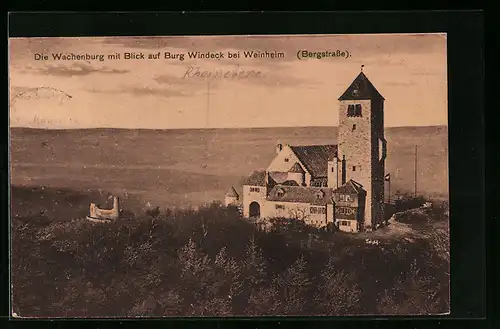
{"points": [[177, 168]]}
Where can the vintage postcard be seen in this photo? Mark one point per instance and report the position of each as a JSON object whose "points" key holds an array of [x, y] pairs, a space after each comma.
{"points": [[229, 176]]}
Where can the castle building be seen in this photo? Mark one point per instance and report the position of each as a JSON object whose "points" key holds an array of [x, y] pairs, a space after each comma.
{"points": [[341, 184]]}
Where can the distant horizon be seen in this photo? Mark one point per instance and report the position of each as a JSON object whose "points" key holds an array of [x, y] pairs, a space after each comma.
{"points": [[215, 128]]}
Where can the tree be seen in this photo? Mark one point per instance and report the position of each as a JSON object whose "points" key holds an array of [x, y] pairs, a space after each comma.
{"points": [[293, 285], [231, 271], [338, 293], [196, 276], [263, 301], [254, 278], [412, 294], [148, 307], [193, 261], [298, 213], [254, 265]]}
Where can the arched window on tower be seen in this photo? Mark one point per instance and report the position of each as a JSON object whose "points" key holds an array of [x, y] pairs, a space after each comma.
{"points": [[357, 110], [354, 110]]}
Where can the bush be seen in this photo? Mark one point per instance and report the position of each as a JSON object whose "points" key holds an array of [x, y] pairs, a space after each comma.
{"points": [[205, 262], [406, 202]]}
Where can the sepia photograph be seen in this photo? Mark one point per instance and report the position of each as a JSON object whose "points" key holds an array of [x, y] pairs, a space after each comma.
{"points": [[229, 176]]}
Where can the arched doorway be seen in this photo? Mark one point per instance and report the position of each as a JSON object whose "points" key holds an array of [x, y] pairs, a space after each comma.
{"points": [[254, 210]]}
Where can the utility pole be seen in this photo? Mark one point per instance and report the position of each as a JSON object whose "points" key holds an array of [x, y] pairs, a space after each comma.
{"points": [[416, 170], [389, 191], [208, 104]]}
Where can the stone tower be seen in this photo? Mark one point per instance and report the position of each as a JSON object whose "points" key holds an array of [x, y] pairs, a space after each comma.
{"points": [[362, 148]]}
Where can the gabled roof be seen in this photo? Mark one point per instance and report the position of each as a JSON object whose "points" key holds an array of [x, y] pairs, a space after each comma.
{"points": [[296, 168], [232, 193], [315, 158], [278, 177], [257, 178], [351, 187], [360, 88], [301, 194]]}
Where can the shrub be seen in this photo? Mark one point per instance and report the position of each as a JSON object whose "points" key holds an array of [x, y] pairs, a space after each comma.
{"points": [[204, 262], [406, 202]]}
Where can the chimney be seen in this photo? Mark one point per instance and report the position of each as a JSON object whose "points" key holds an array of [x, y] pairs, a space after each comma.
{"points": [[116, 204], [343, 170], [279, 148], [336, 169]]}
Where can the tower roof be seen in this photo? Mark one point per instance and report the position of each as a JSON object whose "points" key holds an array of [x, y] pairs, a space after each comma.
{"points": [[360, 88], [232, 193]]}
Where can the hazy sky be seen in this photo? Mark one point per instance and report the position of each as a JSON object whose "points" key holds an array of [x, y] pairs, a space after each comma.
{"points": [[408, 70]]}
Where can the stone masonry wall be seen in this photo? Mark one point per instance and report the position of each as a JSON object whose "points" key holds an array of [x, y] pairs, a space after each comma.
{"points": [[355, 143]]}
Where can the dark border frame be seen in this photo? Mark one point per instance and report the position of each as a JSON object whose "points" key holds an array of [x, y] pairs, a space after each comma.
{"points": [[466, 125]]}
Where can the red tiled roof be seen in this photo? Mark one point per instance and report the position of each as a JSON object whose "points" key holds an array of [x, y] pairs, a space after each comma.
{"points": [[257, 178], [360, 88], [318, 196], [315, 158]]}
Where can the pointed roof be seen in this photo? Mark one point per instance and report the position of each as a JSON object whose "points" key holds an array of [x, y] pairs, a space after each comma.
{"points": [[315, 158], [360, 88], [296, 168], [278, 177], [351, 187], [232, 193]]}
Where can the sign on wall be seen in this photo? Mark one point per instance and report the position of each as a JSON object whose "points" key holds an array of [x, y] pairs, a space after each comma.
{"points": [[345, 212]]}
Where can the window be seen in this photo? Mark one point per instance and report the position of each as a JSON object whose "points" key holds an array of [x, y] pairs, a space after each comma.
{"points": [[280, 193], [354, 110], [279, 206], [345, 223], [353, 168], [333, 169], [357, 110], [317, 210], [353, 127], [350, 110], [345, 198], [286, 159], [254, 189]]}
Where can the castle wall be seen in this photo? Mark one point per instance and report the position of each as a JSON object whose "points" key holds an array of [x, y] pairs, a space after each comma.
{"points": [[330, 215], [230, 200], [301, 211], [114, 213], [334, 180], [347, 225], [251, 194]]}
